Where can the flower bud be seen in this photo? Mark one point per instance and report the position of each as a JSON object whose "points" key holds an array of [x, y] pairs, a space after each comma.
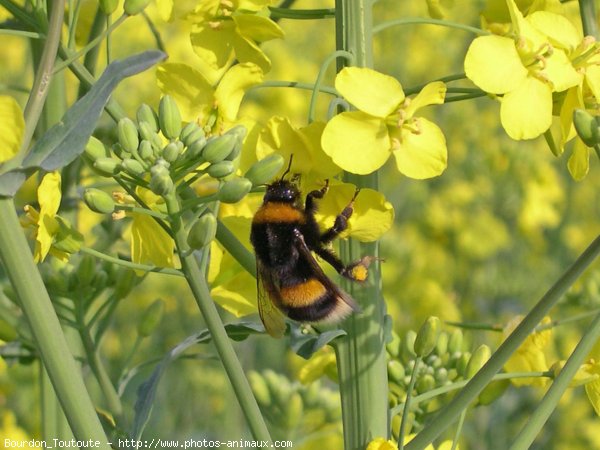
{"points": [[396, 370], [95, 149], [161, 182], [203, 231], [171, 152], [100, 280], [146, 114], [265, 170], [145, 151], [133, 166], [239, 131], [218, 148], [107, 166], [149, 134], [128, 135], [586, 127], [408, 346], [86, 269], [260, 389], [232, 191], [151, 318], [221, 169], [169, 117], [425, 383], [493, 391], [133, 7], [99, 201], [462, 363], [441, 348], [125, 281], [108, 6], [393, 347], [477, 360], [190, 133], [293, 411], [118, 150], [455, 341], [194, 150], [427, 336]]}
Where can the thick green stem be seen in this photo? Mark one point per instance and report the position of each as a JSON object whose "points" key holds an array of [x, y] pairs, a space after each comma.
{"points": [[361, 356], [229, 359], [587, 9], [36, 305], [559, 386], [452, 411]]}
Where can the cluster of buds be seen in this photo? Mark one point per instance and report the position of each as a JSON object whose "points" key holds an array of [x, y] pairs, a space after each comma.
{"points": [[292, 407], [441, 360]]}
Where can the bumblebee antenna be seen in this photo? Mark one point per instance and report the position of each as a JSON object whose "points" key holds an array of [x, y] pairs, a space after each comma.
{"points": [[288, 167]]}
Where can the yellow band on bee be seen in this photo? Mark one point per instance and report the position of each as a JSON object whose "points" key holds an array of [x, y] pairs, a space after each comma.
{"points": [[303, 294], [278, 212]]}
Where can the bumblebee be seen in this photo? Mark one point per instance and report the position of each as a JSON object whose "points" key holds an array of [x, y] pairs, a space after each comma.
{"points": [[290, 281]]}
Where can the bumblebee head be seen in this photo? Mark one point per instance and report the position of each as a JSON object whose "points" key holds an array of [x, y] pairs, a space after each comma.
{"points": [[282, 191]]}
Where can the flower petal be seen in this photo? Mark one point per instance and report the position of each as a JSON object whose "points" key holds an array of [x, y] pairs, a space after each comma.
{"points": [[422, 154], [572, 101], [561, 32], [49, 196], [369, 90], [561, 72], [592, 79], [214, 45], [493, 64], [257, 28], [246, 50], [150, 244], [579, 161], [592, 389], [189, 88], [432, 94], [526, 112], [357, 142], [233, 86], [12, 126]]}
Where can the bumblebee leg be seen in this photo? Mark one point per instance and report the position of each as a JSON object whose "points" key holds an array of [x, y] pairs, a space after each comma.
{"points": [[356, 271], [341, 222], [310, 206]]}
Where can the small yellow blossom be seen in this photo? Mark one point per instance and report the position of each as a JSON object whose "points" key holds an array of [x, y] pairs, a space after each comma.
{"points": [[12, 126]]}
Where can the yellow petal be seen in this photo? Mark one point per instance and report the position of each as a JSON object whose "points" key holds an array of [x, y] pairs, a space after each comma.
{"points": [[592, 389], [357, 142], [165, 9], [421, 153], [526, 112], [12, 126], [258, 28], [370, 91], [49, 196], [493, 64], [382, 444], [572, 101], [592, 79], [561, 72], [432, 94], [233, 86], [526, 32], [189, 88], [560, 31], [246, 50], [214, 45], [238, 295], [150, 244], [579, 161]]}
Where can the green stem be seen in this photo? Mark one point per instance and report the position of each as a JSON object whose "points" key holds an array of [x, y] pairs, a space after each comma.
{"points": [[446, 79], [301, 14], [461, 421], [229, 359], [129, 264], [561, 383], [406, 409], [240, 253], [452, 411], [474, 326], [294, 84], [429, 21], [313, 97], [361, 354], [24, 34], [36, 305], [587, 9], [91, 57]]}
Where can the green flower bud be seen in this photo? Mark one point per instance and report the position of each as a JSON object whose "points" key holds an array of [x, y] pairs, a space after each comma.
{"points": [[312, 394], [293, 411], [393, 347], [441, 375], [239, 131], [235, 153], [68, 239], [396, 370], [145, 151], [149, 134], [99, 201], [477, 360], [221, 169], [161, 182], [218, 148], [107, 166], [493, 391], [190, 133], [108, 6], [425, 383], [202, 232], [194, 150], [86, 269], [7, 331], [128, 135], [265, 170], [455, 341], [169, 117], [462, 363], [232, 191], [95, 149], [100, 280], [151, 318], [125, 281], [133, 166], [441, 348], [260, 389], [279, 387], [146, 114], [408, 346], [427, 336], [133, 7], [586, 126], [171, 152]]}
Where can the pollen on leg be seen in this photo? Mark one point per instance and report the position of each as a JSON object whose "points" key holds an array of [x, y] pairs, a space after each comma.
{"points": [[359, 272]]}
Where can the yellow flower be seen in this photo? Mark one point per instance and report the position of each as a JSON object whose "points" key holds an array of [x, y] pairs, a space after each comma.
{"points": [[12, 126], [9, 430], [382, 444], [530, 356], [525, 69], [385, 123], [592, 388]]}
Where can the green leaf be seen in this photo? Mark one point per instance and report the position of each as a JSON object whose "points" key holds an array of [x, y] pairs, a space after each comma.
{"points": [[147, 390], [62, 143], [306, 344]]}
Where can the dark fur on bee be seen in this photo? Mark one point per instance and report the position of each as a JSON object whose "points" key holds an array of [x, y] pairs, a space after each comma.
{"points": [[284, 235]]}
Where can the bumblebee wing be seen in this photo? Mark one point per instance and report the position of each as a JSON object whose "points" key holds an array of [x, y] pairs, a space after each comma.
{"points": [[268, 293], [320, 275]]}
